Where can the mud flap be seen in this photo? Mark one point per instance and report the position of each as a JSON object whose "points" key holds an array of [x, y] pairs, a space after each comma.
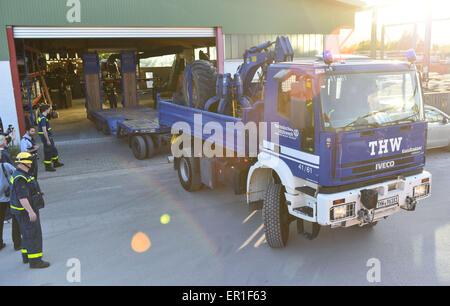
{"points": [[310, 236]]}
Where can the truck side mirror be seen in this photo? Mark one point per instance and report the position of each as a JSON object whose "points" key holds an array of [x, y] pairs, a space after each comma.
{"points": [[298, 105]]}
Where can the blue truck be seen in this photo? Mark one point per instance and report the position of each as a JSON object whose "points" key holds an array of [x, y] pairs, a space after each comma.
{"points": [[343, 139]]}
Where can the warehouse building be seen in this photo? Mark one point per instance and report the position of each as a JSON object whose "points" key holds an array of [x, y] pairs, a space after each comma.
{"points": [[139, 47]]}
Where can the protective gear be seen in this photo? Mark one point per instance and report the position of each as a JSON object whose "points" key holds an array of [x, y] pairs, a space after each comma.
{"points": [[40, 265], [50, 151], [24, 186], [24, 256], [24, 158], [43, 122], [57, 164]]}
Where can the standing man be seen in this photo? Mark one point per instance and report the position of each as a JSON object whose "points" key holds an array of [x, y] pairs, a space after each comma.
{"points": [[46, 135], [6, 172], [27, 144], [26, 200]]}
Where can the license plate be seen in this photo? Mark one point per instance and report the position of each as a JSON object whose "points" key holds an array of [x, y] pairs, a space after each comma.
{"points": [[387, 202]]}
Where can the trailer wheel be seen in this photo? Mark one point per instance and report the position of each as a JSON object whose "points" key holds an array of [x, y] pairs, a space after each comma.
{"points": [[157, 140], [189, 178], [105, 128], [98, 125], [276, 216], [203, 83], [138, 147], [151, 150]]}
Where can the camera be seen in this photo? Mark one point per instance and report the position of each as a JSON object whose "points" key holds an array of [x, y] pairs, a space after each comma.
{"points": [[9, 130], [8, 133]]}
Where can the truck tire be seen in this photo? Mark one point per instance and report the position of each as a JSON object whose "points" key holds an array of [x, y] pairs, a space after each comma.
{"points": [[151, 150], [189, 178], [276, 216], [203, 83], [139, 147]]}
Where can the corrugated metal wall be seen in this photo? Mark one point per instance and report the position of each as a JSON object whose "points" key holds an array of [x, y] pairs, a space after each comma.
{"points": [[304, 45], [234, 16]]}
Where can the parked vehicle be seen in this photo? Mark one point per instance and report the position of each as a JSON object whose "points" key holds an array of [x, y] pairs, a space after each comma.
{"points": [[438, 128], [346, 142]]}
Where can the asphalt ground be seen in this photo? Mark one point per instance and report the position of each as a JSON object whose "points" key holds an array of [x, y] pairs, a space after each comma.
{"points": [[103, 198]]}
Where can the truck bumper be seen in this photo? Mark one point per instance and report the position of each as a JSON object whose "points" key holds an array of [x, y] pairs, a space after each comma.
{"points": [[345, 209]]}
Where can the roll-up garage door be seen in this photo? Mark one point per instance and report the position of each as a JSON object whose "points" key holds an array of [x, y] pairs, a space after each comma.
{"points": [[110, 32]]}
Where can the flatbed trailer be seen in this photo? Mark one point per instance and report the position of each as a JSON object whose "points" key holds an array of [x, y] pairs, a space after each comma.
{"points": [[139, 125]]}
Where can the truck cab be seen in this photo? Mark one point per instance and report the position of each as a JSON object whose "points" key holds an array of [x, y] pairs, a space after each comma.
{"points": [[349, 140]]}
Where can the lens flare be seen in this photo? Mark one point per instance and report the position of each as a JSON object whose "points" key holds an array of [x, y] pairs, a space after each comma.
{"points": [[140, 243], [165, 219]]}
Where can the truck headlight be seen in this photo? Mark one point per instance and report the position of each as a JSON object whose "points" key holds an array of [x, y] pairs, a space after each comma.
{"points": [[421, 190], [342, 211]]}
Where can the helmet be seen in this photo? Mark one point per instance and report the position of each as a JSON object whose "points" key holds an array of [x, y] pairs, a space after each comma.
{"points": [[24, 158]]}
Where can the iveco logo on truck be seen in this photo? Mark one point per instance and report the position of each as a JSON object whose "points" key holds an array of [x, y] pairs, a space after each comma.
{"points": [[385, 165], [383, 146]]}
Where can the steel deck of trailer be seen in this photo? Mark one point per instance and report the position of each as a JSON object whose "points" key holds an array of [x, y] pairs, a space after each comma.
{"points": [[133, 120]]}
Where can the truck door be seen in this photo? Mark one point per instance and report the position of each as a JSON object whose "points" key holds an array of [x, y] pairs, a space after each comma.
{"points": [[295, 103]]}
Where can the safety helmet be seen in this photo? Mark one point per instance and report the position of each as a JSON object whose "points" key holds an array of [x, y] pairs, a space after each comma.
{"points": [[24, 158]]}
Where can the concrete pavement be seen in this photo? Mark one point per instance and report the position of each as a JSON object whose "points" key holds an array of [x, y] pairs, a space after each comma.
{"points": [[103, 197]]}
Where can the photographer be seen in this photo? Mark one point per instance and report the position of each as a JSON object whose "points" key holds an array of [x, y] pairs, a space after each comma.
{"points": [[6, 172], [5, 139]]}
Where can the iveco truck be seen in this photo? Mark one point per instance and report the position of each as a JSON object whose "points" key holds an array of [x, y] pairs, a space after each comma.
{"points": [[344, 143]]}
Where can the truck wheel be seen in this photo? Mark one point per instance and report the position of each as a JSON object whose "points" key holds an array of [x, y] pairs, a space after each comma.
{"points": [[189, 178], [138, 147], [150, 146], [276, 216], [203, 83]]}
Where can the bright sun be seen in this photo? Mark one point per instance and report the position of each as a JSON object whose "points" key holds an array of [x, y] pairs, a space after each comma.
{"points": [[403, 12]]}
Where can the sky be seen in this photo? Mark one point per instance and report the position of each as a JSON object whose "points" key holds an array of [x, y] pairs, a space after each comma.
{"points": [[403, 11]]}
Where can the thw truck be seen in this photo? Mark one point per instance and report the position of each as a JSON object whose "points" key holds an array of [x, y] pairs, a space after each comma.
{"points": [[344, 143]]}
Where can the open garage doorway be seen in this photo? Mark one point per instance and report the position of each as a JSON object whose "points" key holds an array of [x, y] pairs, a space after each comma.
{"points": [[81, 69]]}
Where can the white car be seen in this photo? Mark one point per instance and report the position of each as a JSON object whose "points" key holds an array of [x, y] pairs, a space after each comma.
{"points": [[438, 128]]}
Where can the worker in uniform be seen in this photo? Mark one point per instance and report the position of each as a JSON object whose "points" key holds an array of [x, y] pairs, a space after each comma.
{"points": [[28, 144], [111, 95], [26, 200], [46, 135], [5, 174]]}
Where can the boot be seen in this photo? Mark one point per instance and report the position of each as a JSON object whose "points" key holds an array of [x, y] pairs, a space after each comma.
{"points": [[57, 164], [25, 258], [39, 265], [50, 168]]}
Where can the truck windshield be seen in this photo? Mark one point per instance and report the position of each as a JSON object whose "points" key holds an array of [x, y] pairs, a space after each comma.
{"points": [[364, 100]]}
